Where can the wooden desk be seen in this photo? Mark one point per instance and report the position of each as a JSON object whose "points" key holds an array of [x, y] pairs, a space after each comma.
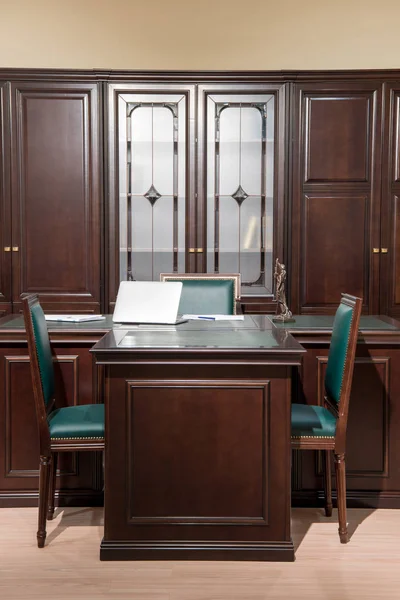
{"points": [[198, 441]]}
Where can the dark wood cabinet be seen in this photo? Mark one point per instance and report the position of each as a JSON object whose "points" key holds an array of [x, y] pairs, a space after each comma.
{"points": [[335, 233], [196, 181], [5, 210], [373, 446], [56, 194], [80, 474]]}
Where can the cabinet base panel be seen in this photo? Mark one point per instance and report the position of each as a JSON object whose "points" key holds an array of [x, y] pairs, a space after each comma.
{"points": [[126, 550]]}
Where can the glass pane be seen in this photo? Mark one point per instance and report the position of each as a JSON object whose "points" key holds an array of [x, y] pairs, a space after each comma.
{"points": [[152, 159], [240, 187]]}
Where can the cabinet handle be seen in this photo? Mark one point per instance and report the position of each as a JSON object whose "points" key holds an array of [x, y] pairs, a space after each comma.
{"points": [[375, 250], [199, 250], [384, 250], [7, 248], [195, 250], [15, 248]]}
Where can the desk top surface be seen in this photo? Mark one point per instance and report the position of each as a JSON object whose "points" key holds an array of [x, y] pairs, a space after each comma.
{"points": [[301, 322]]}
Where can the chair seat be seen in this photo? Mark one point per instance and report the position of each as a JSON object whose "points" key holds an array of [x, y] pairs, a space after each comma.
{"points": [[77, 422], [312, 421]]}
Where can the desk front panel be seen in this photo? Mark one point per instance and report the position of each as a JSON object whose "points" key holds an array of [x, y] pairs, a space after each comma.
{"points": [[197, 461]]}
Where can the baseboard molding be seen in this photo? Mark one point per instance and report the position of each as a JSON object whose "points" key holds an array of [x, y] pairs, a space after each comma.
{"points": [[168, 550], [64, 498], [355, 499]]}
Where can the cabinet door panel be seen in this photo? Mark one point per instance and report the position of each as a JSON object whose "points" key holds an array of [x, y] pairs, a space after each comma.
{"points": [[374, 417], [241, 183], [56, 194], [5, 215], [150, 177], [390, 258], [335, 249], [19, 451], [336, 195]]}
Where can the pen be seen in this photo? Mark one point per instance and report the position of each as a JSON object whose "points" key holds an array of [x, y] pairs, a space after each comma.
{"points": [[207, 318]]}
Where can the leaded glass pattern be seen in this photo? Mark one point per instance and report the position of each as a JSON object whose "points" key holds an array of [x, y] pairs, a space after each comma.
{"points": [[240, 188], [152, 155]]}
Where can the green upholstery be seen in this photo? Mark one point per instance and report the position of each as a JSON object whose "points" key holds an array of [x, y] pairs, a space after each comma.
{"points": [[338, 351], [43, 351], [85, 421], [312, 421], [207, 296]]}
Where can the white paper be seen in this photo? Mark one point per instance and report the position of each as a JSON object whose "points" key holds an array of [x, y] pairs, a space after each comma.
{"points": [[74, 318], [213, 317]]}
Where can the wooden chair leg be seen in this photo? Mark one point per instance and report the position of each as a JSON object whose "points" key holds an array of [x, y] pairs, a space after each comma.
{"points": [[326, 465], [340, 468], [52, 486], [44, 481]]}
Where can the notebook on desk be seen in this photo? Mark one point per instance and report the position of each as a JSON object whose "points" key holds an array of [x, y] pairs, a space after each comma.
{"points": [[148, 302]]}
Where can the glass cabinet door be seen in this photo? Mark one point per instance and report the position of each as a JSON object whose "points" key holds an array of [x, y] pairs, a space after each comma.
{"points": [[151, 147], [240, 204]]}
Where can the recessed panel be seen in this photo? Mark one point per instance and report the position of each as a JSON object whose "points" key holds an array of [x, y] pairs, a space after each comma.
{"points": [[396, 138], [334, 256], [368, 417], [186, 456], [338, 132]]}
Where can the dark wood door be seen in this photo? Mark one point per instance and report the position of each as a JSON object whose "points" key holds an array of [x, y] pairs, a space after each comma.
{"points": [[390, 245], [56, 194], [5, 209], [335, 233], [80, 474]]}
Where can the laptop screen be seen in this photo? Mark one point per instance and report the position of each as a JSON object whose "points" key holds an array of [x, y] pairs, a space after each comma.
{"points": [[147, 302]]}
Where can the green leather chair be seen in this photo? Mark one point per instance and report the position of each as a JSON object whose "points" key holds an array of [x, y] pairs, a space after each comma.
{"points": [[68, 429], [207, 293], [324, 427]]}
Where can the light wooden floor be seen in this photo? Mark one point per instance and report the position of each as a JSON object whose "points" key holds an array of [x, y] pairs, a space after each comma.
{"points": [[68, 568]]}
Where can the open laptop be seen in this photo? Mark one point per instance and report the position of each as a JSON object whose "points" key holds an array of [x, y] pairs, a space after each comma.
{"points": [[148, 302]]}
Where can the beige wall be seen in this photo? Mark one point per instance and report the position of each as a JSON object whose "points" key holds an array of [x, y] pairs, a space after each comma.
{"points": [[200, 34]]}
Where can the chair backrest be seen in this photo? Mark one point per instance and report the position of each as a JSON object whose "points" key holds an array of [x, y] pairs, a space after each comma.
{"points": [[339, 371], [41, 361], [207, 293]]}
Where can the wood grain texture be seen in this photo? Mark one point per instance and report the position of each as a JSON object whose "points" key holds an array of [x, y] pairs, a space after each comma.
{"points": [[335, 219], [56, 193], [367, 567], [5, 202]]}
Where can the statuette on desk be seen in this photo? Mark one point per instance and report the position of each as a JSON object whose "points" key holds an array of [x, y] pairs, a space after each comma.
{"points": [[283, 314]]}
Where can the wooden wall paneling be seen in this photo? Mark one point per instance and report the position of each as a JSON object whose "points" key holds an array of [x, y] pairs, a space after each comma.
{"points": [[56, 187], [114, 92], [390, 256], [80, 474], [5, 209], [336, 195]]}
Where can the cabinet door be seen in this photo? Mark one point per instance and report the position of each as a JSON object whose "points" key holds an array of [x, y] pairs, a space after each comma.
{"points": [[5, 211], [373, 443], [390, 246], [336, 195], [80, 473], [56, 195], [151, 205], [240, 229]]}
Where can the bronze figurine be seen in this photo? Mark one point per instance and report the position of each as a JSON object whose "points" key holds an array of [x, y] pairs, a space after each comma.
{"points": [[283, 314]]}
